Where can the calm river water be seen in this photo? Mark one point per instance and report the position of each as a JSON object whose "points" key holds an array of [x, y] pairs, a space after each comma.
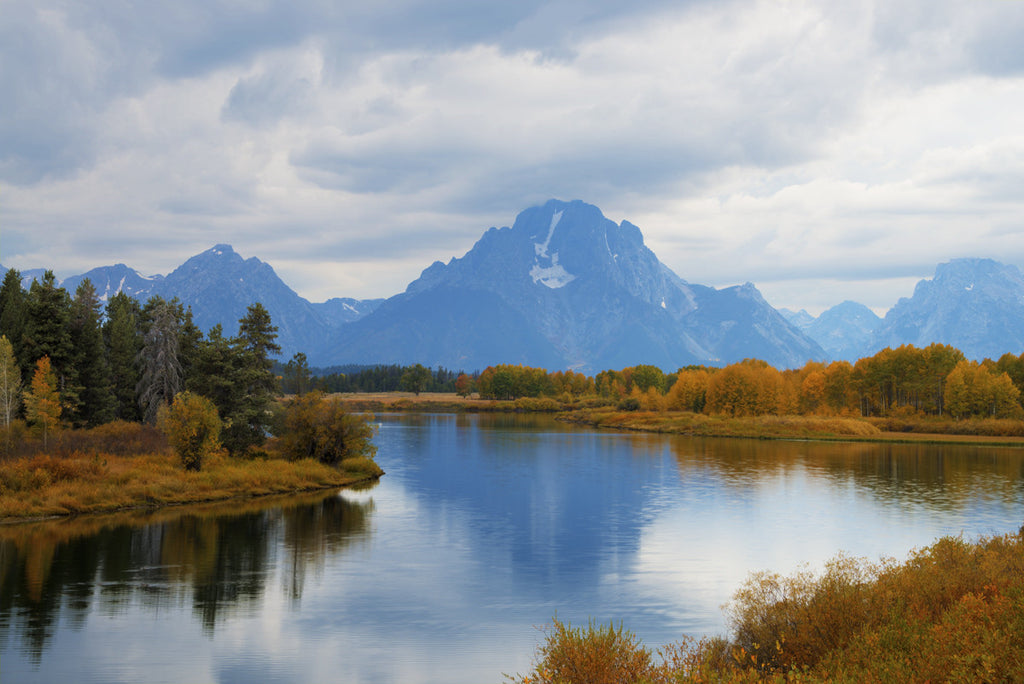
{"points": [[482, 530]]}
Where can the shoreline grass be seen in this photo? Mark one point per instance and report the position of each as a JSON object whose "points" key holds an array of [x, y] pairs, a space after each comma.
{"points": [[81, 477], [815, 428]]}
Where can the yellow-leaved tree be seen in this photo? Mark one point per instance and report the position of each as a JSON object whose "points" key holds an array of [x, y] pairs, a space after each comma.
{"points": [[42, 401], [10, 382], [192, 427]]}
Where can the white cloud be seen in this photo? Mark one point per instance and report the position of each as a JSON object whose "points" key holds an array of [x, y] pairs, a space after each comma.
{"points": [[847, 147]]}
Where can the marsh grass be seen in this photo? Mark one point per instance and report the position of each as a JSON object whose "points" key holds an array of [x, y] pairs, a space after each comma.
{"points": [[923, 430], [699, 424]]}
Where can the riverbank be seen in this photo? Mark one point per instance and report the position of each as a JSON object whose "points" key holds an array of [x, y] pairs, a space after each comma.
{"points": [[800, 427], [126, 470]]}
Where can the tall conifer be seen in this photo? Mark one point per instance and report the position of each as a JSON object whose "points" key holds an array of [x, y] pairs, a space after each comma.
{"points": [[96, 404], [255, 383], [123, 338], [12, 310], [47, 329]]}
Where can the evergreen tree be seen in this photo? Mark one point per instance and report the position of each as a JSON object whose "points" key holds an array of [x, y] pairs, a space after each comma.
{"points": [[189, 339], [90, 359], [123, 337], [12, 311], [47, 331], [255, 383], [213, 371], [161, 369], [296, 377]]}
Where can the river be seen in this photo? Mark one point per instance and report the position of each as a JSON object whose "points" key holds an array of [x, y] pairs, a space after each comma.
{"points": [[483, 529]]}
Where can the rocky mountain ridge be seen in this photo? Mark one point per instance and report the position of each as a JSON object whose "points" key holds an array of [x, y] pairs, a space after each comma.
{"points": [[569, 288]]}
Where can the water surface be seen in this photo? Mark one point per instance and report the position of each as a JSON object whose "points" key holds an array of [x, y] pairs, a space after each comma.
{"points": [[483, 528]]}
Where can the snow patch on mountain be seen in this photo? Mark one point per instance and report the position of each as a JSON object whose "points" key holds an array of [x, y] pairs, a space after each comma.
{"points": [[553, 276], [541, 248]]}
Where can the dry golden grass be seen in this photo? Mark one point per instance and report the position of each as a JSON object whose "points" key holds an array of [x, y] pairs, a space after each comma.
{"points": [[792, 427], [46, 485]]}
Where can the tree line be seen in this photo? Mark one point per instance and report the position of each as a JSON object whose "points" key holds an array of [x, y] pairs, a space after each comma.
{"points": [[297, 377], [935, 380]]}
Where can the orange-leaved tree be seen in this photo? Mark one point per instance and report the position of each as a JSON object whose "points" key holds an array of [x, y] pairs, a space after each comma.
{"points": [[42, 401]]}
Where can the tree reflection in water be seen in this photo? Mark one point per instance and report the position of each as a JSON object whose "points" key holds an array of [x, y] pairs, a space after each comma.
{"points": [[218, 557]]}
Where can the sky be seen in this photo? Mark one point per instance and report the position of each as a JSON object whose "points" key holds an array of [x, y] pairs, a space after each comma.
{"points": [[824, 151]]}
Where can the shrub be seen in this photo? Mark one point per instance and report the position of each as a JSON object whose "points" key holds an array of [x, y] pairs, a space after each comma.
{"points": [[538, 405], [320, 428], [592, 655], [629, 404], [193, 428]]}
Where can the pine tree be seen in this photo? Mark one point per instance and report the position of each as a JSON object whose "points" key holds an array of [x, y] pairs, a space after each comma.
{"points": [[123, 337], [90, 359], [297, 376], [13, 310], [213, 372], [47, 330], [190, 337], [255, 384]]}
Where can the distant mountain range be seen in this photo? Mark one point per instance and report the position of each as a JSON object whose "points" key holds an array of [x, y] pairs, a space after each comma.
{"points": [[975, 305], [845, 331], [565, 287]]}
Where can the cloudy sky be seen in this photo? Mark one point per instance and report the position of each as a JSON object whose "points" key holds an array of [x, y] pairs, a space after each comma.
{"points": [[822, 150]]}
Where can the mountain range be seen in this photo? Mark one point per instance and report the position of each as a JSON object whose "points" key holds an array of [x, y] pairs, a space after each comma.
{"points": [[565, 287], [973, 304]]}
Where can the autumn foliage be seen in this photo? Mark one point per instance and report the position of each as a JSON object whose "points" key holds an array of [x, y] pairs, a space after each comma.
{"points": [[596, 654], [953, 611], [42, 401], [320, 428], [192, 428]]}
